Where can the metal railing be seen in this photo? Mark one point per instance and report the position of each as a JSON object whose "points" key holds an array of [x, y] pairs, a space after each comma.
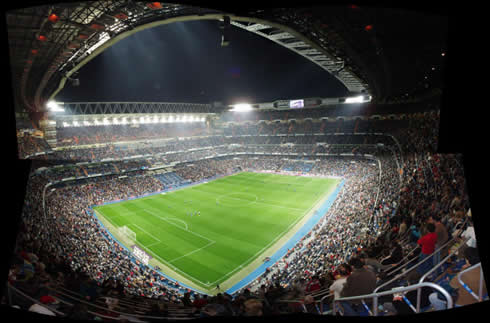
{"points": [[375, 297], [11, 289], [433, 269], [396, 264], [478, 297], [453, 240]]}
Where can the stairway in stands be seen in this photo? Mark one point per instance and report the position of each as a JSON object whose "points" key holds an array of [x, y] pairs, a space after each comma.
{"points": [[169, 179]]}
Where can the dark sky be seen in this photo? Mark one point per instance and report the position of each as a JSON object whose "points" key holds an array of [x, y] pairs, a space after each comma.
{"points": [[184, 62]]}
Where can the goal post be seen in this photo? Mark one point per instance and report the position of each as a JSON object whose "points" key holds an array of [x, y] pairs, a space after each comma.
{"points": [[127, 232]]}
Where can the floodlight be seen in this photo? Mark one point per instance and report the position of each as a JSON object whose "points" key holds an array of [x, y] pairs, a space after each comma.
{"points": [[163, 119], [53, 106], [171, 119], [241, 107], [96, 122], [65, 124], [86, 123], [75, 123], [356, 99]]}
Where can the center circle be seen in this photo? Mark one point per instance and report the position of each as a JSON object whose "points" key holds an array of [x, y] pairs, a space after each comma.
{"points": [[237, 199]]}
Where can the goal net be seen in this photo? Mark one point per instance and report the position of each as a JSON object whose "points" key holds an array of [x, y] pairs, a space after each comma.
{"points": [[127, 232]]}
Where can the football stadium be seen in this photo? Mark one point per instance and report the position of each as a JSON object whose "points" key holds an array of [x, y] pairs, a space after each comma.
{"points": [[192, 162]]}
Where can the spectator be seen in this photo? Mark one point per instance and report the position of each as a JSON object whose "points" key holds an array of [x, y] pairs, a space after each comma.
{"points": [[414, 234], [186, 300], [36, 308], [469, 236], [371, 262], [199, 302], [403, 227], [360, 282], [427, 243], [310, 306], [339, 282], [396, 254], [442, 236], [313, 285], [253, 307]]}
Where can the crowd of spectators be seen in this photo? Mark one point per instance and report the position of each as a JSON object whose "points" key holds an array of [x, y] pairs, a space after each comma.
{"points": [[89, 135], [29, 145], [383, 197]]}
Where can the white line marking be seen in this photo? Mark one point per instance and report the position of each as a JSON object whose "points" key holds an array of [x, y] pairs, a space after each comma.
{"points": [[166, 220], [148, 233], [273, 241], [218, 199], [173, 267], [153, 244], [182, 221], [191, 278], [190, 253]]}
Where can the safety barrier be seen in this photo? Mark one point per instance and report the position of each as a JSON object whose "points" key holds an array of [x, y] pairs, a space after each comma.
{"points": [[478, 297], [453, 240], [375, 296]]}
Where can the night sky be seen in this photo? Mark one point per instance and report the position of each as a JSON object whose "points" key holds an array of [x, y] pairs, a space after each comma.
{"points": [[184, 62]]}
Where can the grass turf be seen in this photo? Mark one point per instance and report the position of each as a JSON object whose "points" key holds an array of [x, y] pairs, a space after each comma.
{"points": [[210, 231]]}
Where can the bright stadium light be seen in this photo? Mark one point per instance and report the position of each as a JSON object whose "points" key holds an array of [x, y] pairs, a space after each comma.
{"points": [[54, 106], [171, 119], [356, 99], [96, 122], [86, 123], [155, 119], [106, 122], [65, 124], [241, 107], [75, 123]]}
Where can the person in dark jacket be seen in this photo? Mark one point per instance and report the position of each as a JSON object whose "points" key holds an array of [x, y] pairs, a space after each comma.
{"points": [[395, 256], [361, 281]]}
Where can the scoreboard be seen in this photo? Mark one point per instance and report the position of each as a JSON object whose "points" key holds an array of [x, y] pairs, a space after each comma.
{"points": [[294, 104]]}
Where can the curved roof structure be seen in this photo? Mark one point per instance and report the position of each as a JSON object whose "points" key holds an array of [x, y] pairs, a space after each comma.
{"points": [[364, 48]]}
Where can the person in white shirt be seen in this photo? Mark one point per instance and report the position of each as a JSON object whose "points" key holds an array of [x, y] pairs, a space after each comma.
{"points": [[36, 308], [469, 234], [339, 282]]}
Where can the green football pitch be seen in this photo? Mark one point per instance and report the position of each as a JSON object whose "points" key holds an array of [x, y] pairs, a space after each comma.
{"points": [[204, 235]]}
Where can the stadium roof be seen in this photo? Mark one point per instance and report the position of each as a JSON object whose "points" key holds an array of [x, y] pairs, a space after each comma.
{"points": [[385, 52]]}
